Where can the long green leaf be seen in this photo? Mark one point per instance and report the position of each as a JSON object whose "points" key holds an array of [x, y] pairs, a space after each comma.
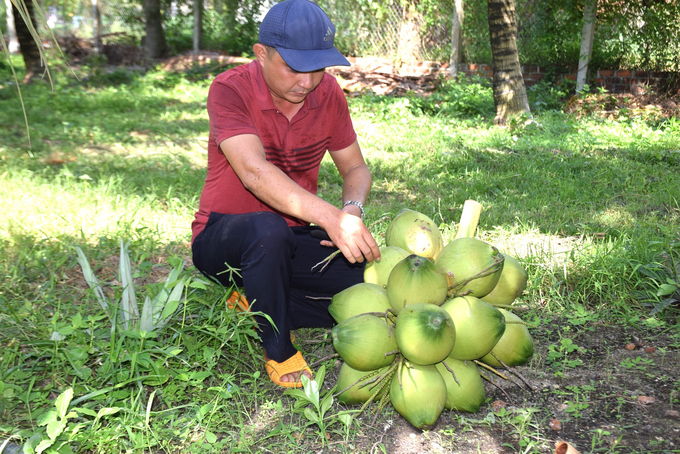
{"points": [[130, 310], [146, 320], [92, 281]]}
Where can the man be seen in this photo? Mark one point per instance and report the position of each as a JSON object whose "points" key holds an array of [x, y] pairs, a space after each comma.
{"points": [[271, 122]]}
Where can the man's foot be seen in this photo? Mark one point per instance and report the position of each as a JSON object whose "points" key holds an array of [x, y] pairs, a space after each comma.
{"points": [[289, 372]]}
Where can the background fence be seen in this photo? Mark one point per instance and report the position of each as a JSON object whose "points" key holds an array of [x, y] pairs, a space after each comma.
{"points": [[636, 34]]}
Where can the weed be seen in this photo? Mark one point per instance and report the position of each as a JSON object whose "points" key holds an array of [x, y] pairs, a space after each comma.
{"points": [[559, 356], [313, 405], [637, 362], [600, 442]]}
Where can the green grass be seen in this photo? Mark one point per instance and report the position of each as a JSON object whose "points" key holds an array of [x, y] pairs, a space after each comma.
{"points": [[589, 207]]}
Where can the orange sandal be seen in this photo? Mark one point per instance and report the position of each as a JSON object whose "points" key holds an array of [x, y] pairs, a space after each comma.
{"points": [[241, 303], [295, 363]]}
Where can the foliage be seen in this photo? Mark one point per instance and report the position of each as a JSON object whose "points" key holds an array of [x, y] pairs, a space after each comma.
{"points": [[230, 26], [369, 28], [639, 35], [314, 405]]}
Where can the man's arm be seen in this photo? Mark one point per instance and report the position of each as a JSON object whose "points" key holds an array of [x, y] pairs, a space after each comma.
{"points": [[268, 183]]}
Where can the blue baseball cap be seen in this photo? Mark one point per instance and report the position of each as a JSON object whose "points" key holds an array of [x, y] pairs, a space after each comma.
{"points": [[302, 34]]}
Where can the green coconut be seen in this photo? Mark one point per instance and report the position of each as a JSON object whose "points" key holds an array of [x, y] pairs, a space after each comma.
{"points": [[464, 392], [378, 272], [415, 280], [414, 232], [364, 341], [510, 285], [479, 326], [472, 266], [425, 333], [358, 299], [358, 392], [515, 347], [418, 393]]}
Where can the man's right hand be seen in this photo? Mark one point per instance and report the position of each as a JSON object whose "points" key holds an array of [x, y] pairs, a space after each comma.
{"points": [[350, 235]]}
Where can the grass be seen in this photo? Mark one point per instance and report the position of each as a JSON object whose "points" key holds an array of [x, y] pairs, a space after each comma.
{"points": [[589, 206]]}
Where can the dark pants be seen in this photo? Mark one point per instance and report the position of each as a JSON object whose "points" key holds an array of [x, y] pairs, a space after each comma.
{"points": [[275, 262]]}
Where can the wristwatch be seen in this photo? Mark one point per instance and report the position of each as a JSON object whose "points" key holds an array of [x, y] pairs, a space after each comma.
{"points": [[354, 202]]}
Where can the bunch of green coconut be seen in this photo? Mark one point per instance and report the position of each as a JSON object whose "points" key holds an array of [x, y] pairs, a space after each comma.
{"points": [[427, 317]]}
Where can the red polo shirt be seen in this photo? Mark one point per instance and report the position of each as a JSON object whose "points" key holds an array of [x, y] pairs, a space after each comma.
{"points": [[239, 102]]}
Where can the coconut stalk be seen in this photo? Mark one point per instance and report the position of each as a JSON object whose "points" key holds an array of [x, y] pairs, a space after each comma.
{"points": [[469, 219], [495, 371], [512, 370], [491, 269], [378, 382]]}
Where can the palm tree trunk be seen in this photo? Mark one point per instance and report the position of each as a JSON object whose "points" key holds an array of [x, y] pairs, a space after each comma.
{"points": [[28, 46], [509, 93], [155, 36]]}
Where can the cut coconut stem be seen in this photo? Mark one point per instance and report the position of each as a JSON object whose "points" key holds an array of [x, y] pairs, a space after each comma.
{"points": [[512, 371], [452, 372], [486, 366], [509, 307], [319, 361], [493, 383], [325, 262], [389, 315], [366, 379], [519, 322], [498, 262], [479, 363], [382, 381], [469, 219]]}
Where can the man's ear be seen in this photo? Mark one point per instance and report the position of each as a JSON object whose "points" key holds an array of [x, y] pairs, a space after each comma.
{"points": [[260, 52]]}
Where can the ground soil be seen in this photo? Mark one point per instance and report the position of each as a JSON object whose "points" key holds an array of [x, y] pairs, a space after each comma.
{"points": [[619, 391]]}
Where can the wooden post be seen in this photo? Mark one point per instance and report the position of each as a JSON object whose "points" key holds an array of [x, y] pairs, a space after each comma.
{"points": [[587, 36]]}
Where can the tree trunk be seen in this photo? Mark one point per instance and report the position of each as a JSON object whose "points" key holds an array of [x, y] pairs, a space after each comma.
{"points": [[587, 36], [13, 45], [409, 46], [509, 93], [198, 25], [28, 46], [97, 26], [155, 36], [456, 37]]}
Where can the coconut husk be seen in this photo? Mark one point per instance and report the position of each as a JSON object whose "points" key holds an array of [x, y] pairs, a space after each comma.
{"points": [[562, 447]]}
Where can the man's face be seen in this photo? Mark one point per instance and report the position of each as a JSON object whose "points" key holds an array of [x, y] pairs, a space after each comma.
{"points": [[284, 82]]}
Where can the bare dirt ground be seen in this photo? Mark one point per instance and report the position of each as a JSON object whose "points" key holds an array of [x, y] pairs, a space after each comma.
{"points": [[601, 388]]}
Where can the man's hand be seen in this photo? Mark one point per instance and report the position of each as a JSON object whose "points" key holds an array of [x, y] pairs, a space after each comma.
{"points": [[351, 236]]}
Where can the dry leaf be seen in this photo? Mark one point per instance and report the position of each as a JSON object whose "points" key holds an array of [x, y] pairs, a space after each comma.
{"points": [[498, 405], [644, 400], [555, 425]]}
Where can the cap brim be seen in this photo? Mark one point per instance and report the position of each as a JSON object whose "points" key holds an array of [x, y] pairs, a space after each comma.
{"points": [[312, 60]]}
